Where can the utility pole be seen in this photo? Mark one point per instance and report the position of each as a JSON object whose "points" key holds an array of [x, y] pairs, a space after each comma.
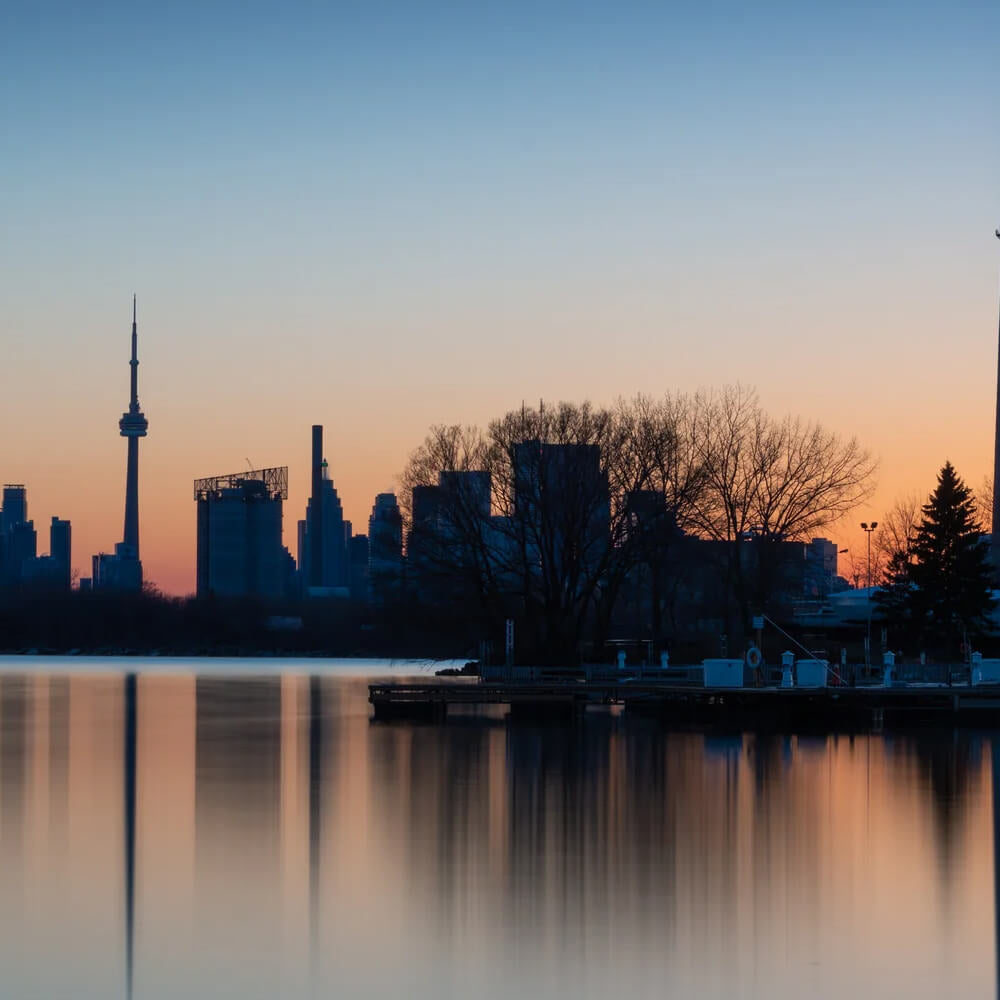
{"points": [[995, 526], [868, 529]]}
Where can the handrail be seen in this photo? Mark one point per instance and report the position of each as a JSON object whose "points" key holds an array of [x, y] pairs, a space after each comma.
{"points": [[808, 652]]}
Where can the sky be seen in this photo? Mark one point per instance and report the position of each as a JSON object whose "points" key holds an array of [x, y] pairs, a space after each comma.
{"points": [[380, 217]]}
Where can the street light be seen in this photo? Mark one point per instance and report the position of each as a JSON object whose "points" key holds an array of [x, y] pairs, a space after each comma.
{"points": [[868, 529]]}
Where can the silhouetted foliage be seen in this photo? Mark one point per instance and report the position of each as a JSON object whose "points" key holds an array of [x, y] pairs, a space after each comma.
{"points": [[894, 597], [768, 481], [549, 512], [952, 597]]}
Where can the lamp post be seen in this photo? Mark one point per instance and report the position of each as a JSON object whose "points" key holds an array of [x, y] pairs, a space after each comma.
{"points": [[868, 529], [995, 520]]}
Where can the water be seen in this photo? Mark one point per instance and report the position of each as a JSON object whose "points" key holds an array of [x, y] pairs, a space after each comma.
{"points": [[282, 845]]}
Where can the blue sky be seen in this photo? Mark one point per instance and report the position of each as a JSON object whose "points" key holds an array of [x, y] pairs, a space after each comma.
{"points": [[382, 216]]}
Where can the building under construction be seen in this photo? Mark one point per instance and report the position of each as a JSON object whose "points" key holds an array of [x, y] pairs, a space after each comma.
{"points": [[240, 553]]}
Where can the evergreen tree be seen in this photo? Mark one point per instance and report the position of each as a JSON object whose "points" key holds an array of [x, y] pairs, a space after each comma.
{"points": [[952, 597]]}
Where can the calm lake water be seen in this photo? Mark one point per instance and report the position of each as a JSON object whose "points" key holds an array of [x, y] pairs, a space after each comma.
{"points": [[247, 832]]}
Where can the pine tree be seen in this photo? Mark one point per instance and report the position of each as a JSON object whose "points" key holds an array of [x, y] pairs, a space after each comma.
{"points": [[952, 596]]}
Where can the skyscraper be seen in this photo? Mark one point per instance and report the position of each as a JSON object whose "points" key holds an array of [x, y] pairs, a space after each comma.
{"points": [[385, 546], [15, 506], [61, 549], [239, 534], [323, 558], [315, 576]]}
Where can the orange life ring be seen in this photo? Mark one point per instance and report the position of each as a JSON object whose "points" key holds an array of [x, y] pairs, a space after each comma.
{"points": [[754, 658]]}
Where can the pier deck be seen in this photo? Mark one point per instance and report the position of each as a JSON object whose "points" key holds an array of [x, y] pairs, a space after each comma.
{"points": [[864, 706]]}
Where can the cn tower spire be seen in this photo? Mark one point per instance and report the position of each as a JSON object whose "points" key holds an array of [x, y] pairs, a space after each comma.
{"points": [[133, 425]]}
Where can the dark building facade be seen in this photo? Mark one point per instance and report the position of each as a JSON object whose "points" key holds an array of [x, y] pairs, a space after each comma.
{"points": [[240, 552], [334, 570], [385, 546], [15, 507], [21, 550], [360, 583], [61, 549]]}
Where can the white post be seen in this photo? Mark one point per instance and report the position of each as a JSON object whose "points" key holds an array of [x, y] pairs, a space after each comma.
{"points": [[787, 659], [889, 662]]}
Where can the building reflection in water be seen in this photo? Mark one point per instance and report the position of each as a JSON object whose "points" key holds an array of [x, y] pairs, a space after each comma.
{"points": [[129, 788], [259, 837]]}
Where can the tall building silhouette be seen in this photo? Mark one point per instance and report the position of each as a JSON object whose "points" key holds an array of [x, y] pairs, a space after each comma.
{"points": [[315, 547], [123, 570], [15, 506], [239, 534], [385, 547], [17, 534], [19, 559], [323, 549], [61, 549]]}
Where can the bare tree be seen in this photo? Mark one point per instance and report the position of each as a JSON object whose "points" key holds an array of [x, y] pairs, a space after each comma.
{"points": [[567, 488], [894, 536], [769, 481], [857, 569], [984, 504], [546, 513]]}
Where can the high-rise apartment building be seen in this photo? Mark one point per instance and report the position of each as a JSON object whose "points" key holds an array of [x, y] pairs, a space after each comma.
{"points": [[240, 552], [324, 531], [385, 546]]}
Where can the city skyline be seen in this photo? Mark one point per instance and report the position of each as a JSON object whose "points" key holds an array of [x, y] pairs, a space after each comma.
{"points": [[176, 573], [382, 221]]}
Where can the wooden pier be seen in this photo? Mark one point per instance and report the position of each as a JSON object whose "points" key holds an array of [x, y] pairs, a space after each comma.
{"points": [[858, 707]]}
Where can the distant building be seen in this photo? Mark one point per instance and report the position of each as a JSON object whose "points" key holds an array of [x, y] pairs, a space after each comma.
{"points": [[240, 553], [15, 507], [562, 491], [21, 549], [61, 549], [13, 514], [445, 516], [335, 571], [423, 543], [472, 487], [120, 570], [19, 559], [385, 546], [821, 568], [360, 582]]}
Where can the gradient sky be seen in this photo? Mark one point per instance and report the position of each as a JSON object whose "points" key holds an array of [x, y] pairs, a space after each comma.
{"points": [[382, 216]]}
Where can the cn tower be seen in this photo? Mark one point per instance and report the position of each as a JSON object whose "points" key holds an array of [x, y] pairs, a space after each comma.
{"points": [[132, 426]]}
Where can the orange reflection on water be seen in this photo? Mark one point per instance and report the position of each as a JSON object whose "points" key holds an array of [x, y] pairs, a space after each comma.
{"points": [[285, 845]]}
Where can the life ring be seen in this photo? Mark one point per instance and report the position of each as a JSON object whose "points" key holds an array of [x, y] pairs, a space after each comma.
{"points": [[754, 658]]}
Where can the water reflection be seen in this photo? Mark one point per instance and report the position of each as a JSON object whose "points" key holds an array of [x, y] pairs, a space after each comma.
{"points": [[259, 837]]}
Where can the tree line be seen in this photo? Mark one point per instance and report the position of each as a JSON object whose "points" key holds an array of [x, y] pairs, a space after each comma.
{"points": [[546, 514]]}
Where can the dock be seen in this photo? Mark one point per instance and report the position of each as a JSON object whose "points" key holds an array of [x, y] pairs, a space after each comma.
{"points": [[863, 707]]}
